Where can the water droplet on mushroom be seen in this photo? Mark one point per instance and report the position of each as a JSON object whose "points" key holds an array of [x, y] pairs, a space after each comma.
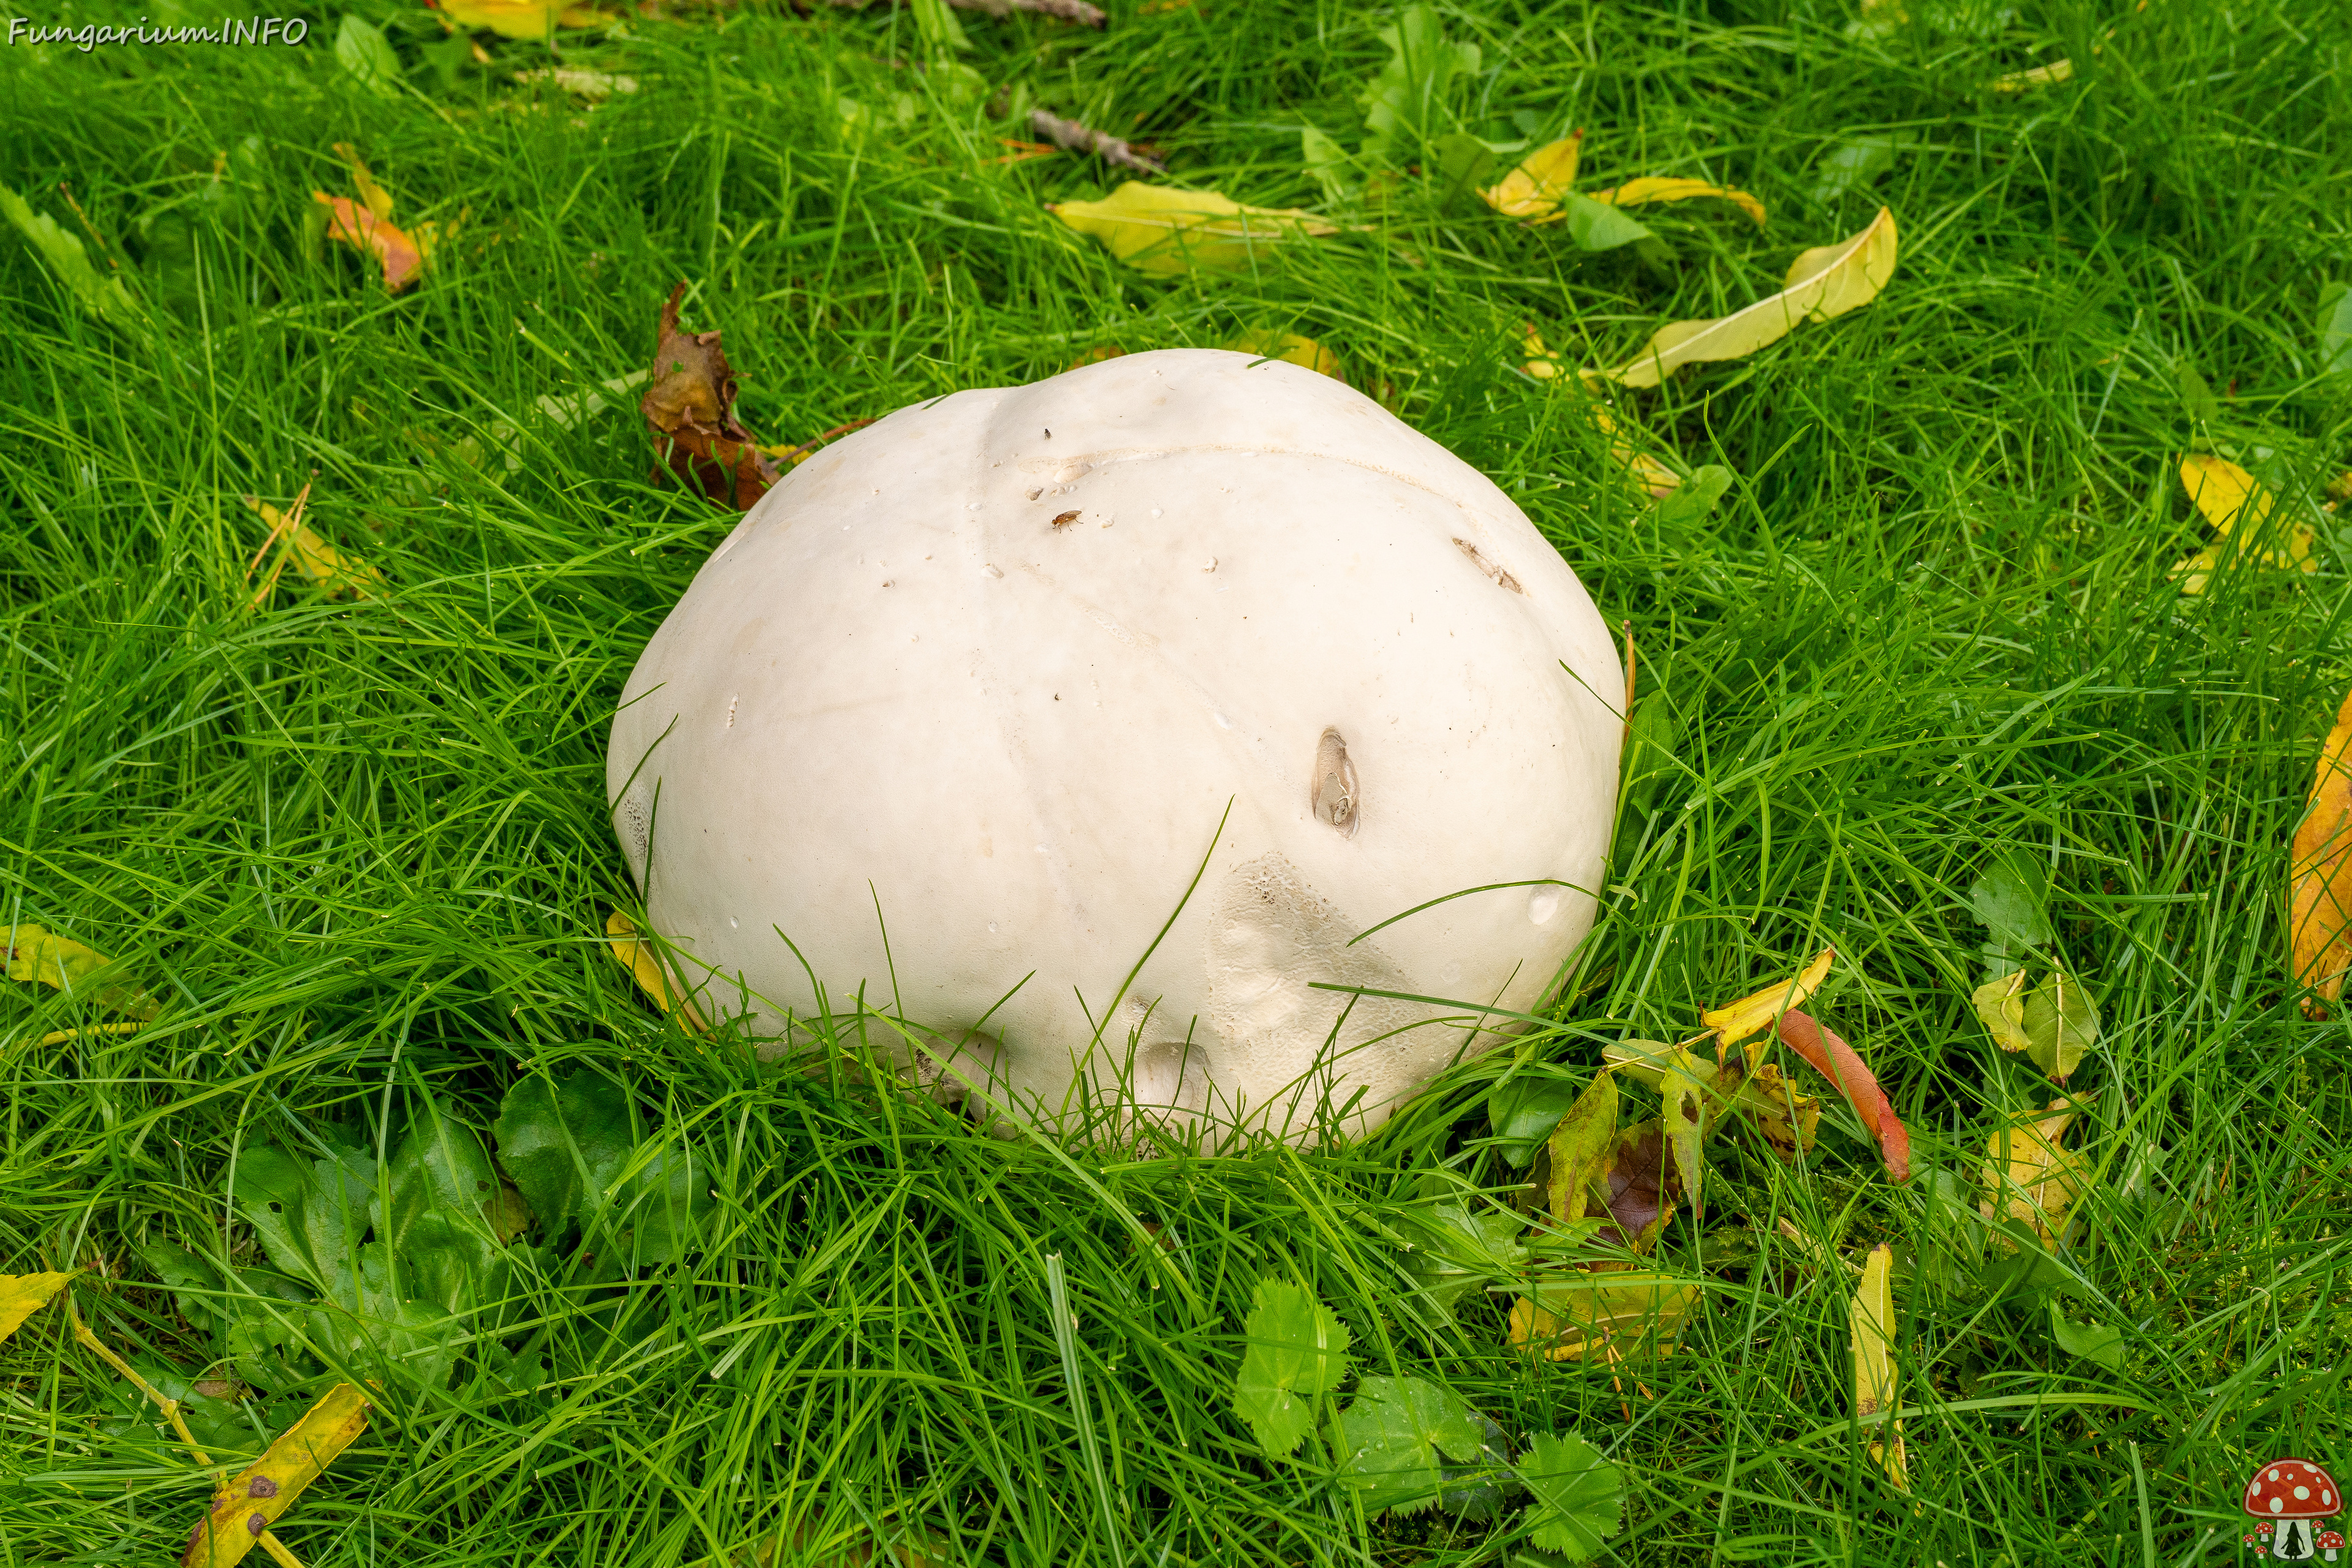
{"points": [[974, 506], [1335, 799], [1542, 904], [1155, 511], [734, 924]]}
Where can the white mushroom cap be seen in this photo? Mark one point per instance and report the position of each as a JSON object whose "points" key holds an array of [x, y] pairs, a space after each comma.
{"points": [[1000, 663]]}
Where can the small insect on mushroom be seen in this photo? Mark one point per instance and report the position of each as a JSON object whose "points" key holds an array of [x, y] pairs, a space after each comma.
{"points": [[1066, 518]]}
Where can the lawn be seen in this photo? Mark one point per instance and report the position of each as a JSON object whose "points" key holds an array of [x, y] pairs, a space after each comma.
{"points": [[1929, 645]]}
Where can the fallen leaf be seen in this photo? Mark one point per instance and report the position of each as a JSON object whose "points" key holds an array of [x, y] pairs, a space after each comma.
{"points": [[1290, 348], [1595, 226], [1735, 1021], [329, 570], [1525, 1110], [2001, 1004], [41, 957], [643, 961], [1640, 1186], [1391, 1435], [1835, 1060], [520, 18], [1660, 188], [1297, 1352], [1684, 1087], [1579, 1497], [22, 1294], [1695, 497], [403, 255], [1163, 230], [2101, 1346], [1872, 1324], [1823, 282], [1534, 188], [2061, 1023], [257, 1496], [1855, 162], [2230, 498], [2030, 1178], [1582, 1149], [2050, 75], [1602, 1315], [2319, 875], [690, 410], [1789, 1121], [104, 296]]}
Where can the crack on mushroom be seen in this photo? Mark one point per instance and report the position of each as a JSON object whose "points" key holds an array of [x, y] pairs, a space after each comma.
{"points": [[1336, 801], [1494, 572]]}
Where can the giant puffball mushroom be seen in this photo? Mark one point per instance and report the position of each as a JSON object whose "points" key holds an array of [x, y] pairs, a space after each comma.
{"points": [[983, 681]]}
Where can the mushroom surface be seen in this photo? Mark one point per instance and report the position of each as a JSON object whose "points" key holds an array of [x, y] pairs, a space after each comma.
{"points": [[987, 676]]}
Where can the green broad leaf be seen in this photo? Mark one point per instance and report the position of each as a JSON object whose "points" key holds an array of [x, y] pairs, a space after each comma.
{"points": [[564, 1144], [2093, 1344], [1464, 162], [1404, 104], [1598, 226], [1524, 1108], [442, 1175], [1455, 1252], [1695, 496], [1687, 1115], [194, 1284], [1327, 163], [367, 57], [655, 1211], [1297, 1352], [2060, 1024], [1390, 1437], [1649, 759], [2335, 330], [1579, 1497], [309, 1215], [104, 297], [2195, 394], [2011, 899], [1853, 164]]}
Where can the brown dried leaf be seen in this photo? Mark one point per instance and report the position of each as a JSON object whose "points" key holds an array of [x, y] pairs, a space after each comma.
{"points": [[690, 410]]}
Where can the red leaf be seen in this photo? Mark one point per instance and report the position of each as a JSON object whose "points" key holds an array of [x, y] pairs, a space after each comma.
{"points": [[1835, 1060], [402, 255]]}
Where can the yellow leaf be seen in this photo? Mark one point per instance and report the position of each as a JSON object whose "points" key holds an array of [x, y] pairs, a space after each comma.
{"points": [[2050, 75], [1291, 348], [373, 196], [2319, 875], [2228, 498], [1735, 1021], [1789, 1121], [2001, 1004], [1533, 189], [1658, 189], [1684, 1087], [257, 1497], [2029, 1178], [22, 1294], [1826, 281], [1601, 1314], [634, 953], [1159, 228], [520, 18], [1872, 1322], [1651, 475], [332, 569], [42, 956]]}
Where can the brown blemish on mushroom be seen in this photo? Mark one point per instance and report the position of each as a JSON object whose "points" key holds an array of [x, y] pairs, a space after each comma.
{"points": [[1495, 573], [1335, 799]]}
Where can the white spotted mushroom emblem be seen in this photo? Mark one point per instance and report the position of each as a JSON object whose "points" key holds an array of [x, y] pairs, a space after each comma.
{"points": [[2291, 1499]]}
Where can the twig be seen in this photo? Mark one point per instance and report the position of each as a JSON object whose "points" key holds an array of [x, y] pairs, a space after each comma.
{"points": [[288, 521], [1076, 11], [1076, 138]]}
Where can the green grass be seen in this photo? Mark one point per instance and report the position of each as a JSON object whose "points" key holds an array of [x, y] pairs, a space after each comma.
{"points": [[360, 846]]}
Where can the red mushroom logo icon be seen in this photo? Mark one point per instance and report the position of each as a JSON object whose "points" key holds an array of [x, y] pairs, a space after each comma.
{"points": [[2294, 1496]]}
